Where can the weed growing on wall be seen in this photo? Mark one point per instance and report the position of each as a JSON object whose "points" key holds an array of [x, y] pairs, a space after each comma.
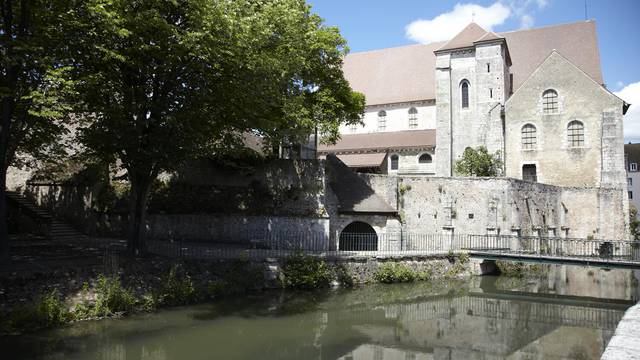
{"points": [[395, 272], [305, 272]]}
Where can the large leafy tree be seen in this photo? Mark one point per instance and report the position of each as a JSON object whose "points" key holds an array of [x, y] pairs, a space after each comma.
{"points": [[165, 81], [34, 87]]}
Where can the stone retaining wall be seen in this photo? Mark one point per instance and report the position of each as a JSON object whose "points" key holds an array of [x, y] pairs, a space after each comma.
{"points": [[625, 344]]}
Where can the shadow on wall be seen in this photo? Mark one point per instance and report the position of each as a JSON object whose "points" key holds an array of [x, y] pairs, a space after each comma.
{"points": [[275, 188]]}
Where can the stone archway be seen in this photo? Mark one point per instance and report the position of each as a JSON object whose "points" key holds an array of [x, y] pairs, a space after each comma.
{"points": [[358, 236]]}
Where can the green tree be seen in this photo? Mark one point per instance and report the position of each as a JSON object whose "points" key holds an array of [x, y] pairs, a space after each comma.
{"points": [[634, 223], [478, 162], [165, 81], [34, 87]]}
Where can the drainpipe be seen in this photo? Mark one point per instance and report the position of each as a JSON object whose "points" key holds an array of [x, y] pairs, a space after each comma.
{"points": [[450, 121]]}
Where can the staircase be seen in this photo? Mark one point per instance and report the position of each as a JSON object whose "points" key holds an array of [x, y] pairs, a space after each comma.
{"points": [[56, 229]]}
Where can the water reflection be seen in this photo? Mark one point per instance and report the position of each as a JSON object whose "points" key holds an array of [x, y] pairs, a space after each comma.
{"points": [[572, 313]]}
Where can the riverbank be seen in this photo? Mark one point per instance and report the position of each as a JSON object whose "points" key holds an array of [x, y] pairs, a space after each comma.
{"points": [[625, 344], [120, 286]]}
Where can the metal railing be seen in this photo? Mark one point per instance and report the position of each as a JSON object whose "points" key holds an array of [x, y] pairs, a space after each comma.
{"points": [[282, 244]]}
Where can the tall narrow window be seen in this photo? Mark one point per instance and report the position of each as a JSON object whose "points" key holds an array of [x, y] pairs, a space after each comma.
{"points": [[413, 118], [529, 173], [464, 92], [550, 101], [382, 120], [511, 83], [394, 162], [575, 134], [529, 137]]}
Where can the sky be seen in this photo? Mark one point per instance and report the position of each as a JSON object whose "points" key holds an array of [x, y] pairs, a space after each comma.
{"points": [[377, 24]]}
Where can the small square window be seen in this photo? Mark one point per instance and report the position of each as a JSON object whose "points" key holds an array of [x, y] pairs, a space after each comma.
{"points": [[633, 167], [470, 216]]}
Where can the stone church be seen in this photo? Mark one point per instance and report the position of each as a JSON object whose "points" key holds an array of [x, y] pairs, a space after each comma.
{"points": [[535, 97]]}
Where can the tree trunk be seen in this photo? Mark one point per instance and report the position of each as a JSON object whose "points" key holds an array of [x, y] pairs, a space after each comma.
{"points": [[138, 199], [5, 127]]}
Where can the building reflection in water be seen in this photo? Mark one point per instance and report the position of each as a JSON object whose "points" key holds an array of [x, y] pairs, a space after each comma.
{"points": [[571, 313]]}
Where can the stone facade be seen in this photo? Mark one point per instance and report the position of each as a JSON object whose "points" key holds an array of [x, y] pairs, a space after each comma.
{"points": [[484, 69], [599, 161]]}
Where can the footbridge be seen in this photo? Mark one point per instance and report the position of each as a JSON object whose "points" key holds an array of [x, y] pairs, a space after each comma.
{"points": [[553, 250]]}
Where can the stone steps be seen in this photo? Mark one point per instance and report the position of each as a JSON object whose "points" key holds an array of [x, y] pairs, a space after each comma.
{"points": [[58, 230]]}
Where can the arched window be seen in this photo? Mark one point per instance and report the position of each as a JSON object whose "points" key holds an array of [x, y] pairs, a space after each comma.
{"points": [[425, 159], [575, 134], [394, 162], [382, 120], [550, 101], [529, 135], [413, 118], [464, 93]]}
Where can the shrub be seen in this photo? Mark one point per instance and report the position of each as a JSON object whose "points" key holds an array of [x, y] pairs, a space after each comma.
{"points": [[305, 272], [344, 276], [518, 269], [112, 298], [394, 272], [177, 289], [48, 311], [242, 276]]}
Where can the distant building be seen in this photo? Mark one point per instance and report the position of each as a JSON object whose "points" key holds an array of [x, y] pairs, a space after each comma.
{"points": [[535, 96], [632, 162]]}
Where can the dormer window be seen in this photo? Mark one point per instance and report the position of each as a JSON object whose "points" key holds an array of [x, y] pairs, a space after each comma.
{"points": [[464, 93]]}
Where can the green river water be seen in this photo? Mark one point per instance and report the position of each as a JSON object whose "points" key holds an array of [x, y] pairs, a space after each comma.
{"points": [[569, 314]]}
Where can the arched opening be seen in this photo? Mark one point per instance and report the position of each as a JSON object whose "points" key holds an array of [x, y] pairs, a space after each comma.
{"points": [[358, 236], [425, 159]]}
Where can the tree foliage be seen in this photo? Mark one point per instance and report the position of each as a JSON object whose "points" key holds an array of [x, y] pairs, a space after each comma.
{"points": [[634, 223], [478, 162], [35, 88], [165, 81]]}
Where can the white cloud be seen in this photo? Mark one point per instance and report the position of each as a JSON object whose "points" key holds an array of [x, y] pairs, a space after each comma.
{"points": [[447, 25], [526, 21], [542, 3], [631, 94]]}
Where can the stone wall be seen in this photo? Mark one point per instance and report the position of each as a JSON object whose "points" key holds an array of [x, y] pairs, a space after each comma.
{"points": [[506, 206]]}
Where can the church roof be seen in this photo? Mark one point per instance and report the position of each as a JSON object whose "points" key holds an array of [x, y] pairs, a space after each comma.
{"points": [[406, 73], [375, 142], [465, 38]]}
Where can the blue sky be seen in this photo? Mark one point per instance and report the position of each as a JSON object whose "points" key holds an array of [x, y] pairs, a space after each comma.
{"points": [[376, 24]]}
